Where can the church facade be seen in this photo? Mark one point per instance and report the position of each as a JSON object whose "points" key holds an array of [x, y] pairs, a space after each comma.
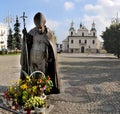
{"points": [[3, 36], [81, 40]]}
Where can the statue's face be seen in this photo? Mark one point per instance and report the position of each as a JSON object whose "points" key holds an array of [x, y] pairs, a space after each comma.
{"points": [[39, 20]]}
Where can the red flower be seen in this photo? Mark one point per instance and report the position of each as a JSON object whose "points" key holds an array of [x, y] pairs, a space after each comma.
{"points": [[47, 81], [40, 80], [48, 77], [16, 107], [5, 95]]}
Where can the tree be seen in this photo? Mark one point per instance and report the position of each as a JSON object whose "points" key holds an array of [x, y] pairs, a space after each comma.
{"points": [[11, 43], [17, 34], [111, 37]]}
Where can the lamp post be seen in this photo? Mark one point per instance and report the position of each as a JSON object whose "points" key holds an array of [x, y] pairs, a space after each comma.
{"points": [[8, 20]]}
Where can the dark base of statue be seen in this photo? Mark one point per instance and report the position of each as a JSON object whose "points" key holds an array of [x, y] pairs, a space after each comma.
{"points": [[55, 91]]}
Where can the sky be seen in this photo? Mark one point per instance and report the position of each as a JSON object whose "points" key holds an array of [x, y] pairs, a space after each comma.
{"points": [[60, 13]]}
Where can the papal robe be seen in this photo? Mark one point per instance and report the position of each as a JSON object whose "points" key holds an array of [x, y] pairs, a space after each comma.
{"points": [[39, 54]]}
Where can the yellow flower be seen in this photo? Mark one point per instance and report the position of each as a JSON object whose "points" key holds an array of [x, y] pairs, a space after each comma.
{"points": [[24, 86], [34, 88], [28, 78], [10, 88], [15, 95]]}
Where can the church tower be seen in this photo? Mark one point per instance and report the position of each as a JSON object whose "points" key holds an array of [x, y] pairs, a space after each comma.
{"points": [[93, 29], [72, 29]]}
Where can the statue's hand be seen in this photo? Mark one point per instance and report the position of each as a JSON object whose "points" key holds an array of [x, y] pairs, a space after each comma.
{"points": [[24, 31]]}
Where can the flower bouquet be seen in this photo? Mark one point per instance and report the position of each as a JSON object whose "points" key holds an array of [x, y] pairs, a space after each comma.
{"points": [[29, 93], [36, 103]]}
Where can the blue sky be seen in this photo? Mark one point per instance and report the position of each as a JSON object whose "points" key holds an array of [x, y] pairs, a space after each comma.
{"points": [[60, 13]]}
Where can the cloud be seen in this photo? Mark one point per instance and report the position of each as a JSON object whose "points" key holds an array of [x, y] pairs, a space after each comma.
{"points": [[78, 0], [68, 5], [45, 0], [102, 13], [90, 7], [106, 2], [104, 7], [52, 24], [99, 21]]}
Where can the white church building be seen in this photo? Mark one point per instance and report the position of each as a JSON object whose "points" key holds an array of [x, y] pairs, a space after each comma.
{"points": [[81, 40], [3, 36]]}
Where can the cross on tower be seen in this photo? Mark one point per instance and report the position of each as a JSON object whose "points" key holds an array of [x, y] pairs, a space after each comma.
{"points": [[23, 17]]}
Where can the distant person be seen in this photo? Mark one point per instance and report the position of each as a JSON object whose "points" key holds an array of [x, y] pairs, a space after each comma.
{"points": [[40, 54]]}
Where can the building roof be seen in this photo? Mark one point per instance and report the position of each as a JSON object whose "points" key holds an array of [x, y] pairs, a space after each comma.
{"points": [[65, 40]]}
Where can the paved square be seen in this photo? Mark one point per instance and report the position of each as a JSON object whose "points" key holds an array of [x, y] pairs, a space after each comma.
{"points": [[90, 84]]}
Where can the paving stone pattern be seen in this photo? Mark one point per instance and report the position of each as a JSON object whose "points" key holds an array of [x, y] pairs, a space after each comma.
{"points": [[90, 84]]}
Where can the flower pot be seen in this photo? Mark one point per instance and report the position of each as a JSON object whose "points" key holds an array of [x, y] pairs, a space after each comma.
{"points": [[28, 111]]}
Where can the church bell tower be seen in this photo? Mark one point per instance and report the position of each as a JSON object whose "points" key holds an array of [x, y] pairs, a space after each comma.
{"points": [[72, 29]]}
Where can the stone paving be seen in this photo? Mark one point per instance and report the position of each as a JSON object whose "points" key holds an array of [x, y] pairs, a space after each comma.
{"points": [[90, 84]]}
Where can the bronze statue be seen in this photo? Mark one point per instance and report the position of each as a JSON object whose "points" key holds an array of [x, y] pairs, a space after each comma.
{"points": [[39, 51]]}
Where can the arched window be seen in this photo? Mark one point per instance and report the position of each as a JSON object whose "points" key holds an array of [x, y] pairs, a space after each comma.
{"points": [[82, 49]]}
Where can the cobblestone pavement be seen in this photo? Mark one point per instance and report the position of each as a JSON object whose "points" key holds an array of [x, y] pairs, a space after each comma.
{"points": [[90, 84]]}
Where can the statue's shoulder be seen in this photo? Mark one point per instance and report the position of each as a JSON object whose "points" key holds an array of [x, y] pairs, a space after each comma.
{"points": [[51, 37], [50, 34], [32, 31]]}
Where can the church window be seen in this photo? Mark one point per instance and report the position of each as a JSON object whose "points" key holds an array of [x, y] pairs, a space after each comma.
{"points": [[82, 33], [93, 41], [93, 33], [71, 50], [85, 41], [67, 46], [71, 33], [79, 41], [71, 41]]}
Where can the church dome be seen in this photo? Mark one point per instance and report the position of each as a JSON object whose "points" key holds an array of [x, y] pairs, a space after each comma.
{"points": [[71, 29]]}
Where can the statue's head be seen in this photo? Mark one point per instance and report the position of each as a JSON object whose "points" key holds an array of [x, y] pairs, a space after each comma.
{"points": [[39, 20]]}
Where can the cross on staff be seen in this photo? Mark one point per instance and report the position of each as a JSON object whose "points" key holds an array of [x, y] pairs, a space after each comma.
{"points": [[26, 62], [23, 17]]}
